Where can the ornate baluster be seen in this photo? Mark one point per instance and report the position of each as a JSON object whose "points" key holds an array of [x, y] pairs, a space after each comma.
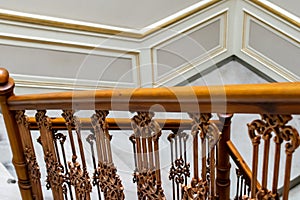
{"points": [[273, 124], [200, 188], [62, 138], [147, 176], [78, 176], [55, 177], [179, 170], [106, 173], [32, 165], [90, 139]]}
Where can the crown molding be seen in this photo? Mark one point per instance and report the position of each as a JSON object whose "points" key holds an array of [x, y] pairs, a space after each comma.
{"points": [[277, 11], [101, 28]]}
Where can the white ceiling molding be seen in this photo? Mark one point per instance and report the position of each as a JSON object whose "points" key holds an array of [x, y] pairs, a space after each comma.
{"points": [[51, 21], [278, 11]]}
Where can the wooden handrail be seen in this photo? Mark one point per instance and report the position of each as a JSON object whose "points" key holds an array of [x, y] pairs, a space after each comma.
{"points": [[283, 98]]}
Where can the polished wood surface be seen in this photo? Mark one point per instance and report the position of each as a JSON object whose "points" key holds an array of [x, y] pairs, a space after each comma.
{"points": [[280, 98]]}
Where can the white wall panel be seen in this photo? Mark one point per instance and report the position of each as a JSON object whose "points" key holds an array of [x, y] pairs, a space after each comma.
{"points": [[41, 67], [184, 51], [271, 46]]}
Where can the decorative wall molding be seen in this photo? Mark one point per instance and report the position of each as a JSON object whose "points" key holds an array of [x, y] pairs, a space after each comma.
{"points": [[207, 54], [101, 28], [261, 56], [143, 46], [277, 11], [34, 81]]}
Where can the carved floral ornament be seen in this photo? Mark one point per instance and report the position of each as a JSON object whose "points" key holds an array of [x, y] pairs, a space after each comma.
{"points": [[21, 118], [276, 124], [109, 182], [55, 177], [80, 180], [34, 169]]}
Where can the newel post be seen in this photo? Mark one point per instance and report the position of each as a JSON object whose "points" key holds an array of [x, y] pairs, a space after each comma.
{"points": [[223, 163], [6, 90]]}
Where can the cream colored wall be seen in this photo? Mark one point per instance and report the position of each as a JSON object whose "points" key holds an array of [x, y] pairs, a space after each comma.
{"points": [[57, 59]]}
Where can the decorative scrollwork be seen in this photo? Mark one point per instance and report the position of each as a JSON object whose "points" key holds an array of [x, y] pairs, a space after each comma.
{"points": [[179, 170], [68, 116], [147, 187], [61, 137], [109, 181], [21, 118], [99, 118], [55, 175], [275, 124], [33, 167], [143, 119], [147, 172], [200, 123], [98, 121], [264, 128], [143, 123], [80, 179], [42, 119], [196, 191]]}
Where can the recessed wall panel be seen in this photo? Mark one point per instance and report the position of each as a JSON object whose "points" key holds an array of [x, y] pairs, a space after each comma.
{"points": [[188, 47], [185, 51], [69, 65], [274, 46]]}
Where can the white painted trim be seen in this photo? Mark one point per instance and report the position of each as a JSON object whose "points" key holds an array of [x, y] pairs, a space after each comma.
{"points": [[65, 83], [260, 57]]}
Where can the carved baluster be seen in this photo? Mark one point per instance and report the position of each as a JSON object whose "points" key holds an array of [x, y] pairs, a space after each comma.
{"points": [[199, 188], [264, 127], [106, 173], [179, 170], [148, 179], [78, 176], [31, 162], [255, 125], [62, 138], [55, 177], [68, 116], [90, 139], [291, 136], [278, 141]]}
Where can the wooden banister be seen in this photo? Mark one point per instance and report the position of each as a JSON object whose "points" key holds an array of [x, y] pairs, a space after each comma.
{"points": [[276, 102], [270, 98], [19, 162]]}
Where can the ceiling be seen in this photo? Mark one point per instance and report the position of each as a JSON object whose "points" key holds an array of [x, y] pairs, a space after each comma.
{"points": [[133, 14]]}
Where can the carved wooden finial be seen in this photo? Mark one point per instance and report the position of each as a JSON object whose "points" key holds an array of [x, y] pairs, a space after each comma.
{"points": [[6, 83], [4, 76]]}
